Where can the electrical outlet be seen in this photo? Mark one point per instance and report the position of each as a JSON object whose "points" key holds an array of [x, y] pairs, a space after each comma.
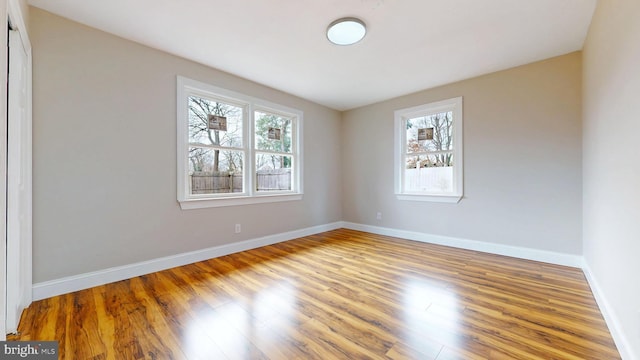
{"points": [[378, 215], [238, 228]]}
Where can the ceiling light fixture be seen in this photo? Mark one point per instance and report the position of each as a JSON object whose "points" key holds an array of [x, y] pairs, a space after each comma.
{"points": [[346, 31]]}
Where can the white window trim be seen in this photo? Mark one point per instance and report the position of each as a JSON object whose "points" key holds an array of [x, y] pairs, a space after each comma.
{"points": [[186, 87], [401, 116]]}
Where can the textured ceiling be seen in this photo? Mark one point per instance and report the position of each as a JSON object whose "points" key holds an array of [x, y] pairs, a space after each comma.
{"points": [[411, 45]]}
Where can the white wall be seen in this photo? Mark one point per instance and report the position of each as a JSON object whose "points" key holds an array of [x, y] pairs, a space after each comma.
{"points": [[3, 172], [611, 165], [105, 156], [522, 165]]}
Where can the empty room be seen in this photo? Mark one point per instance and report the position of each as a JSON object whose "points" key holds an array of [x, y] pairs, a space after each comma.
{"points": [[356, 179]]}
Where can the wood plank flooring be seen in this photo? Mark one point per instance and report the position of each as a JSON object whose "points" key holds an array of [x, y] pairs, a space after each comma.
{"points": [[337, 295]]}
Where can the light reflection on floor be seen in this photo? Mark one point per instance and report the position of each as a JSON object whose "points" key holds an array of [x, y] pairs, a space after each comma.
{"points": [[227, 328], [432, 315]]}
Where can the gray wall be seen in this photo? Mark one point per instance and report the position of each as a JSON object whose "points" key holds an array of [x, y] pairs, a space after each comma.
{"points": [[104, 115], [612, 161], [522, 160], [104, 158]]}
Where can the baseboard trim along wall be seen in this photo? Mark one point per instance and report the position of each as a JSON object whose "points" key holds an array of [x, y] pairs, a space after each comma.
{"points": [[70, 284], [492, 248], [622, 342]]}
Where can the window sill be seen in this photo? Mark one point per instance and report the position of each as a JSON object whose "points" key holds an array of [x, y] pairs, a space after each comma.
{"points": [[452, 199], [235, 201]]}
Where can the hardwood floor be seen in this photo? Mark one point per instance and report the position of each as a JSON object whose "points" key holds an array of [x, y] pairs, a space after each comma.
{"points": [[337, 295]]}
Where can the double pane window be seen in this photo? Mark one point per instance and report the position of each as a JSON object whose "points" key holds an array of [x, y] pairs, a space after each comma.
{"points": [[429, 152], [235, 149]]}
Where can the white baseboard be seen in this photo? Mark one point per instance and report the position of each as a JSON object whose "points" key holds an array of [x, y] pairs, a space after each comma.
{"points": [[69, 284], [622, 341], [499, 249]]}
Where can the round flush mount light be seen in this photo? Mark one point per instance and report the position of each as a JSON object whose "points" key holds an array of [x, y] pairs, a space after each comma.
{"points": [[346, 31]]}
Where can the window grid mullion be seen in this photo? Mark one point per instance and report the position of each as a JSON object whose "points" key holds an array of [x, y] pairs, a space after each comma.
{"points": [[215, 147], [250, 168], [436, 152], [269, 152]]}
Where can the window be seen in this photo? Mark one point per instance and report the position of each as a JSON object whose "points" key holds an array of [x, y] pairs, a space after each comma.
{"points": [[234, 149], [428, 155]]}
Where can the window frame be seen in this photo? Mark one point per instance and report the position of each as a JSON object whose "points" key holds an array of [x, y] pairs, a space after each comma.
{"points": [[400, 120], [188, 87], [292, 153]]}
